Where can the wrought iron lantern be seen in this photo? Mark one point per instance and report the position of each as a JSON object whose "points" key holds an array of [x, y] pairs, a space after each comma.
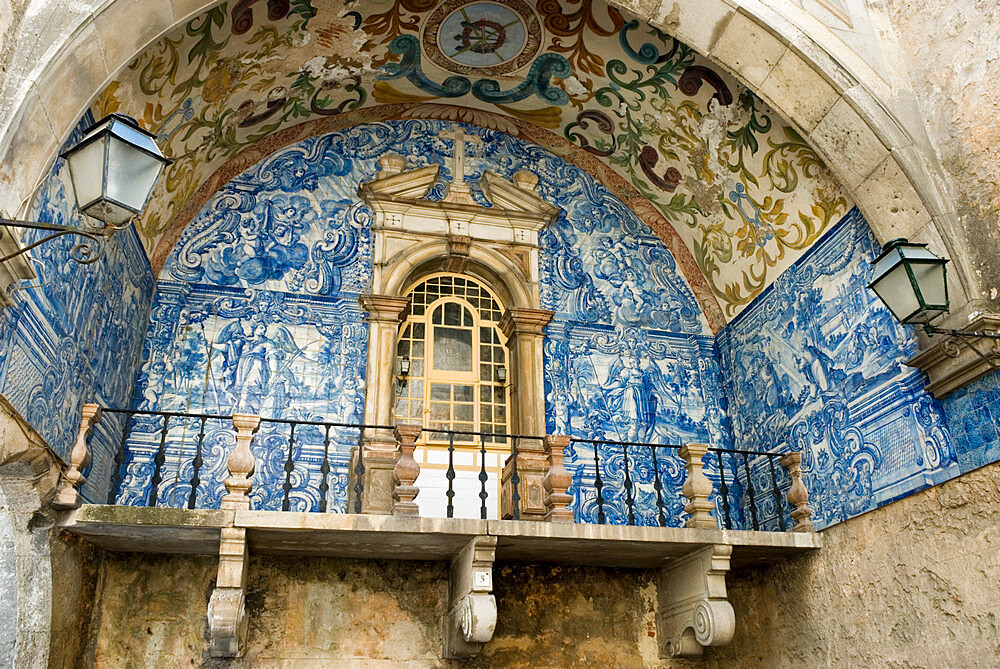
{"points": [[501, 374], [912, 283], [113, 169]]}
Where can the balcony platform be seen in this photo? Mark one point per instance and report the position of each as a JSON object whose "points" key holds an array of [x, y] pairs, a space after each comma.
{"points": [[197, 532]]}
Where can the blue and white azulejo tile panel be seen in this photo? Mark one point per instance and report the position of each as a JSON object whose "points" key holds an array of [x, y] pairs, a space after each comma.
{"points": [[816, 364]]}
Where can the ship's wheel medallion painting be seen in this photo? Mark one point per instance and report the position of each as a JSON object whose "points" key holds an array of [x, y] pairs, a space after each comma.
{"points": [[482, 38]]}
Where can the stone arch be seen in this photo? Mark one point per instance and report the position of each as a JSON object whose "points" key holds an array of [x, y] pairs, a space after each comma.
{"points": [[857, 125], [487, 265]]}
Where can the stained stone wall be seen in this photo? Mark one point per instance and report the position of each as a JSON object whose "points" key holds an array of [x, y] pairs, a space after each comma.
{"points": [[909, 584]]}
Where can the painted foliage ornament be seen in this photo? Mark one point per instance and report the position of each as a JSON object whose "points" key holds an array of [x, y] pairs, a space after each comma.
{"points": [[482, 38]]}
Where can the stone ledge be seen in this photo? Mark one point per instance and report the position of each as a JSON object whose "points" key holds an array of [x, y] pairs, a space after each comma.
{"points": [[950, 364], [162, 530]]}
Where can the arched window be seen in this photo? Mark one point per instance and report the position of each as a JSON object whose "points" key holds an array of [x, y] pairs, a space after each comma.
{"points": [[457, 359]]}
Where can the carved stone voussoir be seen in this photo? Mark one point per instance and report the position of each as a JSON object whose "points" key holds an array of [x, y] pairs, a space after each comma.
{"points": [[693, 611]]}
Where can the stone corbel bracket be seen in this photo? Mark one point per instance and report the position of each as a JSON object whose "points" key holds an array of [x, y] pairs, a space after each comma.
{"points": [[472, 611], [692, 608], [227, 617]]}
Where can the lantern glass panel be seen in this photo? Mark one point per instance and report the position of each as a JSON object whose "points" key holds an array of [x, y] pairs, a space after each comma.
{"points": [[86, 166], [930, 279], [896, 291], [131, 175]]}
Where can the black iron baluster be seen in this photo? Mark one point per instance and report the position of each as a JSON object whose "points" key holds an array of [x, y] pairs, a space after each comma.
{"points": [[778, 507], [116, 469], [450, 475], [324, 470], [482, 478], [289, 468], [515, 480], [359, 471], [158, 459], [750, 493], [599, 486], [196, 465], [629, 500], [724, 491], [658, 487]]}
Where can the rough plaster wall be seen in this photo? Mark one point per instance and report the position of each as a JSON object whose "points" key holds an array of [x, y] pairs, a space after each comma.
{"points": [[952, 52], [912, 584]]}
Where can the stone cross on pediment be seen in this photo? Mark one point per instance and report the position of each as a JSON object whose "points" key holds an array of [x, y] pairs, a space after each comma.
{"points": [[459, 189]]}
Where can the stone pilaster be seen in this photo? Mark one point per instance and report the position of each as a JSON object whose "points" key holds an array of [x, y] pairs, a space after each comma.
{"points": [[525, 332], [379, 451], [524, 329]]}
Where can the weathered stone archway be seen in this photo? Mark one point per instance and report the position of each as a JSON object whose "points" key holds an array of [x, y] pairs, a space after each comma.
{"points": [[857, 125]]}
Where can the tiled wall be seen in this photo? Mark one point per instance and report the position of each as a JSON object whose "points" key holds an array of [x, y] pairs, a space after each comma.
{"points": [[816, 364], [74, 333], [257, 309], [973, 414]]}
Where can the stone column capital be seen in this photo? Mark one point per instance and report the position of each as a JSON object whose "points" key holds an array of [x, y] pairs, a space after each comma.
{"points": [[517, 321], [384, 308]]}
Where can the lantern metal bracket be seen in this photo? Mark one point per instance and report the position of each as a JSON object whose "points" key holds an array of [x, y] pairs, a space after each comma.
{"points": [[965, 337], [84, 252]]}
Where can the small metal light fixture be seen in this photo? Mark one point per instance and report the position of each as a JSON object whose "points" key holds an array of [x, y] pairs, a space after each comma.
{"points": [[501, 374], [912, 283], [404, 365], [113, 169]]}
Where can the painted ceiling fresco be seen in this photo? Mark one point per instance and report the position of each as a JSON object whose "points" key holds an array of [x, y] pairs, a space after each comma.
{"points": [[735, 193]]}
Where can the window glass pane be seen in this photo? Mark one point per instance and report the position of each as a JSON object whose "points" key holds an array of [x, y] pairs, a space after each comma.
{"points": [[440, 391], [418, 349], [452, 348], [416, 388], [498, 394], [485, 372], [452, 314], [417, 367], [485, 416], [465, 427], [485, 393], [418, 331], [484, 353], [467, 318], [416, 409], [463, 393], [501, 413], [403, 348], [463, 412], [440, 411]]}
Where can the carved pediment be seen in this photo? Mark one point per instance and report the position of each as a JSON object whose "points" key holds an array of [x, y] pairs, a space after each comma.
{"points": [[409, 185], [519, 196]]}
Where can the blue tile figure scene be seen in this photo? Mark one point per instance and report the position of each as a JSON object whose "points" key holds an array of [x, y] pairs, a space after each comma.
{"points": [[816, 365], [75, 332], [256, 310]]}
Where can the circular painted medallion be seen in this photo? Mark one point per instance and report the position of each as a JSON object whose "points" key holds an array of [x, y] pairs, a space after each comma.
{"points": [[482, 38]]}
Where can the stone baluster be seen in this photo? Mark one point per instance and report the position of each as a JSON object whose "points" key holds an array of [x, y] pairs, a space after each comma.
{"points": [[798, 495], [68, 496], [697, 488], [405, 473], [557, 480], [241, 463]]}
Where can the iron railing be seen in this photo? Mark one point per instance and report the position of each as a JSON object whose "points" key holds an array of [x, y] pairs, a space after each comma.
{"points": [[747, 488], [278, 431], [714, 470]]}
